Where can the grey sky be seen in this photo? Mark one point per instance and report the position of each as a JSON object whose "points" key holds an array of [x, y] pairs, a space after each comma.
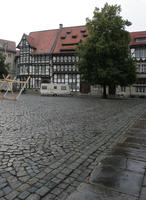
{"points": [[23, 16]]}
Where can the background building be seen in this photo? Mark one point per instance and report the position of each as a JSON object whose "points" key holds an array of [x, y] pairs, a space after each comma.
{"points": [[49, 56], [138, 52], [8, 48]]}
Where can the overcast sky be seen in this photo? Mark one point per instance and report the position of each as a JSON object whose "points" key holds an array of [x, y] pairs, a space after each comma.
{"points": [[24, 16]]}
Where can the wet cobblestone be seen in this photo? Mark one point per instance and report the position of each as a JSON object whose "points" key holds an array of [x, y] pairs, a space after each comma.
{"points": [[49, 145]]}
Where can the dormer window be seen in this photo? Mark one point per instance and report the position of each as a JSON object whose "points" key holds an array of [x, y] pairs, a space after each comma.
{"points": [[85, 35], [140, 39], [62, 37], [74, 36], [68, 32], [83, 31]]}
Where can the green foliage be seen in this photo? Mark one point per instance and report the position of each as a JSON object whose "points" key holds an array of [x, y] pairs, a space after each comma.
{"points": [[105, 55], [3, 66]]}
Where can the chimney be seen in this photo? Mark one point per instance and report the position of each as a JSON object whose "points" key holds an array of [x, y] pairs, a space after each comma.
{"points": [[60, 26]]}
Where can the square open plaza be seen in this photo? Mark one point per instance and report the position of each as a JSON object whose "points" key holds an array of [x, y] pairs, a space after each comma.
{"points": [[50, 145]]}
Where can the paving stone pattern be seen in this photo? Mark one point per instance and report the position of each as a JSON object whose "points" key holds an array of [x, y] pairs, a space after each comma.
{"points": [[121, 175], [49, 145]]}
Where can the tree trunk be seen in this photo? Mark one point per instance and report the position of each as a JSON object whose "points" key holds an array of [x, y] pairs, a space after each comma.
{"points": [[112, 90], [104, 92]]}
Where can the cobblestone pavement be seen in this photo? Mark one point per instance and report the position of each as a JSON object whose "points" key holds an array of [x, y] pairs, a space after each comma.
{"points": [[49, 145]]}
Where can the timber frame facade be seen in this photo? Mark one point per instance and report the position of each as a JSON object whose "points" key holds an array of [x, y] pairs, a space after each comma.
{"points": [[37, 66], [49, 56]]}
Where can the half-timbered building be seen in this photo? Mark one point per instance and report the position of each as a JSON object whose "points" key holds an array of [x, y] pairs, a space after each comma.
{"points": [[49, 56], [64, 59], [34, 57]]}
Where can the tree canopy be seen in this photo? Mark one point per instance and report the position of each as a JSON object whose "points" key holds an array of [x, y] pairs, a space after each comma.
{"points": [[3, 66], [105, 54]]}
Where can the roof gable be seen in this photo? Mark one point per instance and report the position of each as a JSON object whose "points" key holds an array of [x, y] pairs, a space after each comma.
{"points": [[27, 40], [44, 40]]}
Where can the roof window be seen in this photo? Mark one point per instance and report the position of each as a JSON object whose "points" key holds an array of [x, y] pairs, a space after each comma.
{"points": [[68, 32], [74, 36], [63, 37], [67, 50], [140, 39], [85, 35], [83, 31], [70, 44]]}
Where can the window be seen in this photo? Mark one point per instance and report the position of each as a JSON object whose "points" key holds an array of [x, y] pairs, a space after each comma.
{"points": [[77, 58], [65, 67], [68, 32], [138, 68], [54, 59], [62, 67], [140, 52], [36, 69], [69, 58], [85, 35], [83, 31], [69, 67], [40, 69], [67, 50], [123, 89], [58, 67], [62, 37], [70, 44], [55, 87], [63, 87], [95, 86], [54, 67], [47, 58], [43, 70], [74, 36], [74, 67], [44, 87], [30, 70], [141, 39], [47, 70], [144, 68], [140, 89], [73, 59], [65, 58]]}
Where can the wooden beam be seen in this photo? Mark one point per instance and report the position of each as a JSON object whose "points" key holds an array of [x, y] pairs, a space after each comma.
{"points": [[9, 88], [23, 88]]}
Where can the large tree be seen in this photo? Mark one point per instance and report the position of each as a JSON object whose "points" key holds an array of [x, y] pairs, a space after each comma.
{"points": [[105, 55], [3, 66]]}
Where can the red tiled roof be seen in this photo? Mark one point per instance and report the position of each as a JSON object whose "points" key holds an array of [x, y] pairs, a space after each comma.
{"points": [[42, 40], [69, 43], [7, 45], [66, 40], [139, 34]]}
